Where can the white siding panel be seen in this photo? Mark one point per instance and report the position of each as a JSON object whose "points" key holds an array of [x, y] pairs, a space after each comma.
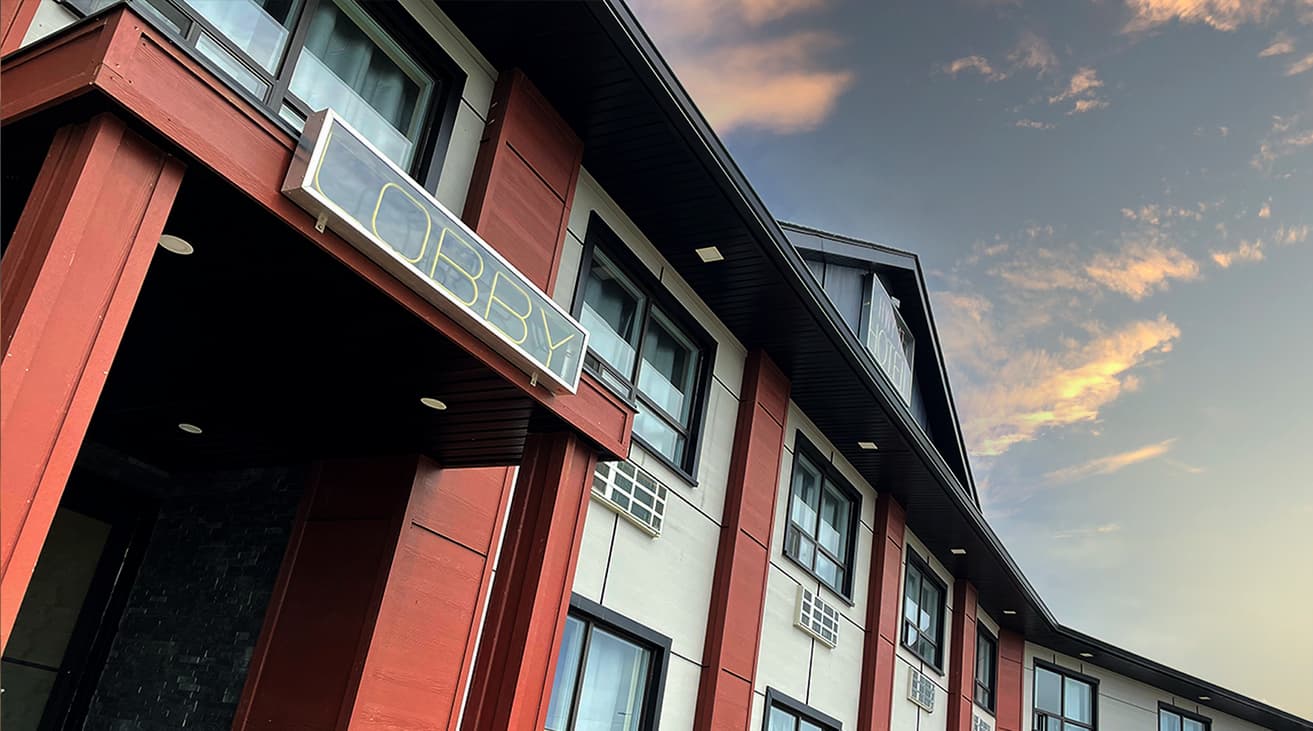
{"points": [[681, 698], [836, 676], [906, 714], [665, 583], [458, 168], [50, 17], [594, 551], [785, 650]]}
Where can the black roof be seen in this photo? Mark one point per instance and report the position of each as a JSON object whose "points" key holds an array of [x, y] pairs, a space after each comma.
{"points": [[653, 152]]}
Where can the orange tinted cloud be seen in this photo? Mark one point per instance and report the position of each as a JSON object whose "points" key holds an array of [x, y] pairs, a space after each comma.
{"points": [[1109, 464], [976, 64], [1287, 235], [1280, 46], [1013, 394], [1301, 66], [1219, 14], [1247, 251], [740, 72], [1033, 52], [1141, 268]]}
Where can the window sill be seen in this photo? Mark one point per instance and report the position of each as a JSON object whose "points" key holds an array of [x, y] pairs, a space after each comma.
{"points": [[846, 599], [683, 474], [987, 711], [930, 664]]}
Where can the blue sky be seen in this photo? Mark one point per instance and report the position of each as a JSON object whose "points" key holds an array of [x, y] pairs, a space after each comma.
{"points": [[1113, 200]]}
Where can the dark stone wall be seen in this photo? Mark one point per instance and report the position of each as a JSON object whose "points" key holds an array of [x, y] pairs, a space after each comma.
{"points": [[180, 656]]}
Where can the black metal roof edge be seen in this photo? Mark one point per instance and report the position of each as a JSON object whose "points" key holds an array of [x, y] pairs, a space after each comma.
{"points": [[1214, 691], [615, 16], [847, 238], [941, 362]]}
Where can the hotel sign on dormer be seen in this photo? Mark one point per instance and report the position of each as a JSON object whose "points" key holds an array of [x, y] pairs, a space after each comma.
{"points": [[889, 341], [340, 178]]}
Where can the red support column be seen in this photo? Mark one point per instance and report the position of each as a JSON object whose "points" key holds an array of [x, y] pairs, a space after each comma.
{"points": [[962, 658], [1010, 700], [531, 594], [883, 608], [377, 608], [738, 597], [69, 279]]}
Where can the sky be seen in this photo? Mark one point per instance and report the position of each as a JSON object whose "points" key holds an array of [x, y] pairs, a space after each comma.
{"points": [[1113, 204]]}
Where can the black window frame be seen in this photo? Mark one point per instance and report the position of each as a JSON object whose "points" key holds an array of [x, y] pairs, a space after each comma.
{"points": [[990, 685], [803, 448], [1191, 715], [600, 235], [1093, 682], [925, 572], [798, 709], [392, 19], [596, 615]]}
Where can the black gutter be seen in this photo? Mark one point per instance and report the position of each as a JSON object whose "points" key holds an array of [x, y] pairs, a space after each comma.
{"points": [[697, 133]]}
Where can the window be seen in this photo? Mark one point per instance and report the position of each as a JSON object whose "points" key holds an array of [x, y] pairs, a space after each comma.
{"points": [[642, 349], [786, 714], [633, 493], [1064, 700], [923, 612], [1176, 719], [610, 674], [823, 511], [986, 669], [299, 56]]}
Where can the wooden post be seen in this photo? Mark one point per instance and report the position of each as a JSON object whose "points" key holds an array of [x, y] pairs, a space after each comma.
{"points": [[69, 279], [883, 605], [962, 657]]}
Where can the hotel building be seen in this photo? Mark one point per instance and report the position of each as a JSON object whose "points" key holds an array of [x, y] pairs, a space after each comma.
{"points": [[431, 365]]}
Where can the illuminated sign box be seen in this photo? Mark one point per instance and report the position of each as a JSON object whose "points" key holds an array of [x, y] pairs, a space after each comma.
{"points": [[344, 181]]}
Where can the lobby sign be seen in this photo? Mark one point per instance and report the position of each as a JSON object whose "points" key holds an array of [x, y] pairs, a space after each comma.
{"points": [[343, 180]]}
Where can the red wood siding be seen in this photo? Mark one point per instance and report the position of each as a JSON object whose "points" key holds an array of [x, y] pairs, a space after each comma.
{"points": [[120, 56], [422, 651], [531, 595], [738, 597], [962, 657], [875, 702], [1011, 660], [70, 277], [376, 613], [524, 180]]}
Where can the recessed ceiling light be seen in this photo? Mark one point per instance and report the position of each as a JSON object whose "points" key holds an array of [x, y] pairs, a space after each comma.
{"points": [[190, 428], [176, 245], [709, 254], [1205, 698], [868, 445], [958, 551], [1087, 654], [1009, 611], [433, 403]]}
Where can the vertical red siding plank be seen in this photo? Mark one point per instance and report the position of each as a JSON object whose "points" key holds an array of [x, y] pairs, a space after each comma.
{"points": [[876, 698], [516, 662], [524, 179], [77, 258], [15, 18], [1011, 661], [738, 594], [962, 657]]}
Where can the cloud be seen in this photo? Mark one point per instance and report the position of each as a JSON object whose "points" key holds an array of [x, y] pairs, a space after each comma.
{"points": [[1081, 90], [1088, 532], [1222, 15], [1087, 105], [1301, 66], [976, 64], [1289, 235], [1033, 52], [1286, 137], [1015, 393], [1266, 210], [1141, 268], [1032, 124], [1247, 251], [1110, 464], [1083, 82], [749, 74], [1280, 46]]}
